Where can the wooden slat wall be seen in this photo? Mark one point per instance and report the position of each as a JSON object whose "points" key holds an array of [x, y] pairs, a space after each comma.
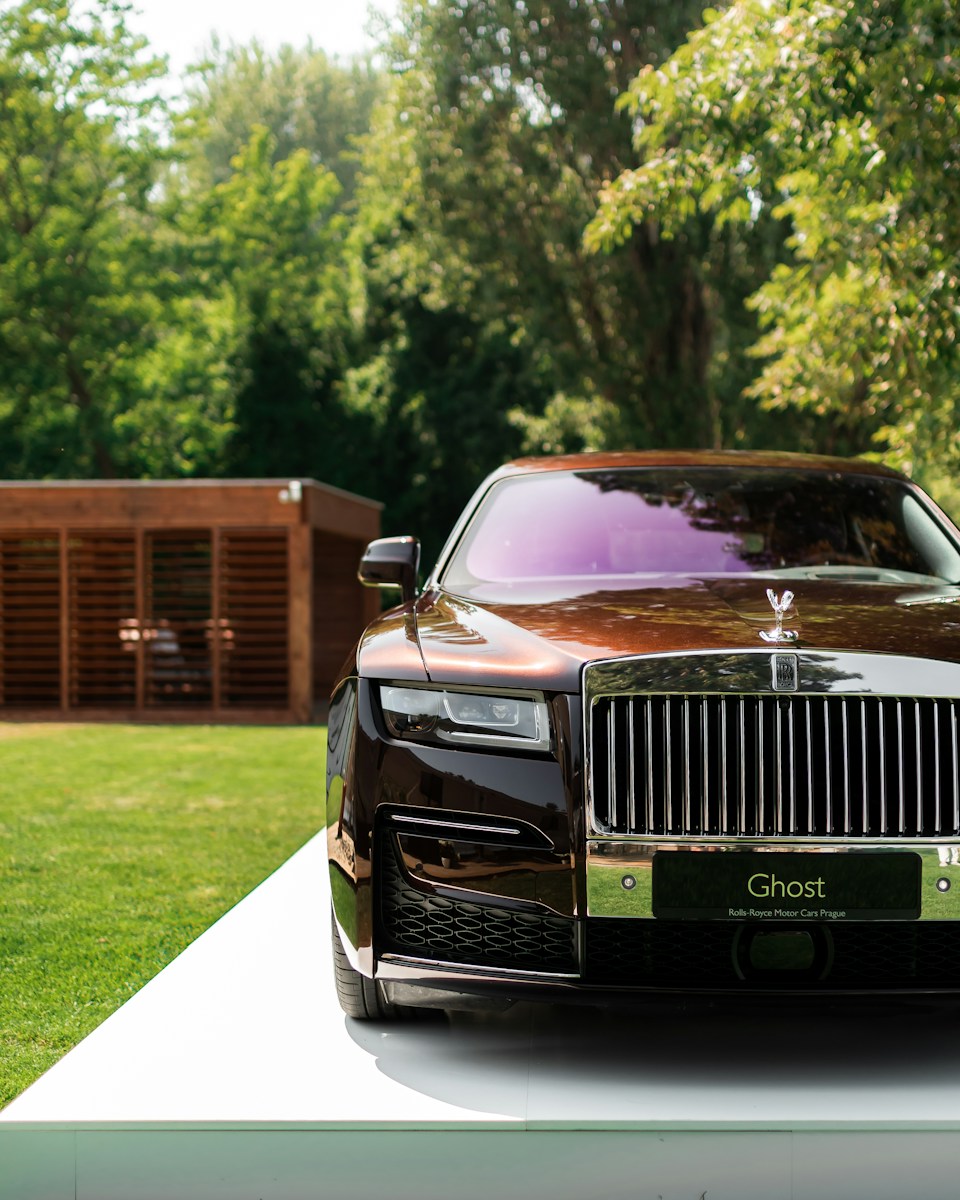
{"points": [[179, 600], [30, 619], [253, 610], [177, 627], [102, 605]]}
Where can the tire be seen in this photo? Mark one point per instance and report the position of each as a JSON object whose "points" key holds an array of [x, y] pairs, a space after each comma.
{"points": [[360, 997]]}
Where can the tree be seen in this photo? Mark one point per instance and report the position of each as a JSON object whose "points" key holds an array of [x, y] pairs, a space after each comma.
{"points": [[77, 161], [843, 121], [157, 318], [306, 100], [482, 170], [483, 166], [436, 395], [262, 254]]}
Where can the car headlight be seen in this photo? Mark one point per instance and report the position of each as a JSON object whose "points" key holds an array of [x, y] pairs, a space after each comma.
{"points": [[473, 718]]}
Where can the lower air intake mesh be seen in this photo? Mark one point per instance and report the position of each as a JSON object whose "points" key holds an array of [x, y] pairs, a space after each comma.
{"points": [[423, 925], [690, 954]]}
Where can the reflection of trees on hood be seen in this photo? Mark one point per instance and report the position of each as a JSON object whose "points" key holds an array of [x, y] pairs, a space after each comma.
{"points": [[725, 614], [733, 674]]}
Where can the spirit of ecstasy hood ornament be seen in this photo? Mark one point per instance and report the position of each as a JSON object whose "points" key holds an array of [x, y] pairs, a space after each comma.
{"points": [[779, 604]]}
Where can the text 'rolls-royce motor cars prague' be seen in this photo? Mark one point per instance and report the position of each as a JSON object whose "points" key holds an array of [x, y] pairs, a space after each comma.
{"points": [[656, 722]]}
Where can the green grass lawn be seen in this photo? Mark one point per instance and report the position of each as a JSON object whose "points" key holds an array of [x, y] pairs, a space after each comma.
{"points": [[119, 844]]}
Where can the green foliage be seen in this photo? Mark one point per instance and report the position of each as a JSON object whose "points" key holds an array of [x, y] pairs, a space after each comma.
{"points": [[381, 277], [77, 160], [118, 846], [483, 165], [152, 324], [482, 168], [438, 395], [306, 100], [270, 241], [254, 332], [265, 158], [843, 121]]}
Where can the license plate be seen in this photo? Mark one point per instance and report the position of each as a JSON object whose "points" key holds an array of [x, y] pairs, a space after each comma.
{"points": [[741, 885]]}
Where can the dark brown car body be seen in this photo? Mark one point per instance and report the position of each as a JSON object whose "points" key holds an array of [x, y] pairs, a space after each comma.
{"points": [[724, 804]]}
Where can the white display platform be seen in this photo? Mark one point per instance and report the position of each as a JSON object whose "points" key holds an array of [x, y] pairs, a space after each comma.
{"points": [[234, 1075]]}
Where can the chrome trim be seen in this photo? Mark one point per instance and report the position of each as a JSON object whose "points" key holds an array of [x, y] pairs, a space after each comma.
{"points": [[901, 798], [611, 761], [758, 823], [793, 779], [648, 806], [439, 964], [919, 762], [883, 775], [459, 826], [936, 769], [956, 772], [784, 676], [780, 605], [747, 672], [668, 736], [687, 812], [841, 790], [615, 855], [845, 742], [809, 722], [828, 782], [724, 795], [863, 757], [705, 748], [674, 682], [631, 754], [743, 767], [779, 783]]}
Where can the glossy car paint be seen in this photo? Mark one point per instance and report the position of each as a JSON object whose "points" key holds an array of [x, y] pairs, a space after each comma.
{"points": [[541, 640]]}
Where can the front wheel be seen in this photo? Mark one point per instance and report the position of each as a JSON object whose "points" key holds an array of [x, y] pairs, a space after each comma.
{"points": [[360, 997]]}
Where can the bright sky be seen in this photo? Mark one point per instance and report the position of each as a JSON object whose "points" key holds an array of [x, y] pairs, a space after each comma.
{"points": [[181, 28]]}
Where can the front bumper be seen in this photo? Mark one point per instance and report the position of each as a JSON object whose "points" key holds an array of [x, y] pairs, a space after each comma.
{"points": [[474, 944]]}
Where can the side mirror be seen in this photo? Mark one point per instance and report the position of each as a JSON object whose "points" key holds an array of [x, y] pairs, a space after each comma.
{"points": [[392, 562]]}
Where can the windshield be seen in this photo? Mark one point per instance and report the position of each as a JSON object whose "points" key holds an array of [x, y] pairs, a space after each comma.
{"points": [[622, 523]]}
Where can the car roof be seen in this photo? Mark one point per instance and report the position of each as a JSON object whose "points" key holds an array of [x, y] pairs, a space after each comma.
{"points": [[733, 459]]}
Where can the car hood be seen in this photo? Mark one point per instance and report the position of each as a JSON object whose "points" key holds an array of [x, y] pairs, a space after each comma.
{"points": [[541, 637]]}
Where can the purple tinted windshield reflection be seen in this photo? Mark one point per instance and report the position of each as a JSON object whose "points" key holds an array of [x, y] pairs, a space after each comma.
{"points": [[629, 522]]}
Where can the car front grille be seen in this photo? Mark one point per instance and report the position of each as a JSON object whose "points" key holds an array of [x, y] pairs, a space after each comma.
{"points": [[421, 924], [686, 954], [768, 766]]}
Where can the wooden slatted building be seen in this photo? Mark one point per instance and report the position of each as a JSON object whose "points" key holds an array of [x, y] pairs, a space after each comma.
{"points": [[206, 600]]}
